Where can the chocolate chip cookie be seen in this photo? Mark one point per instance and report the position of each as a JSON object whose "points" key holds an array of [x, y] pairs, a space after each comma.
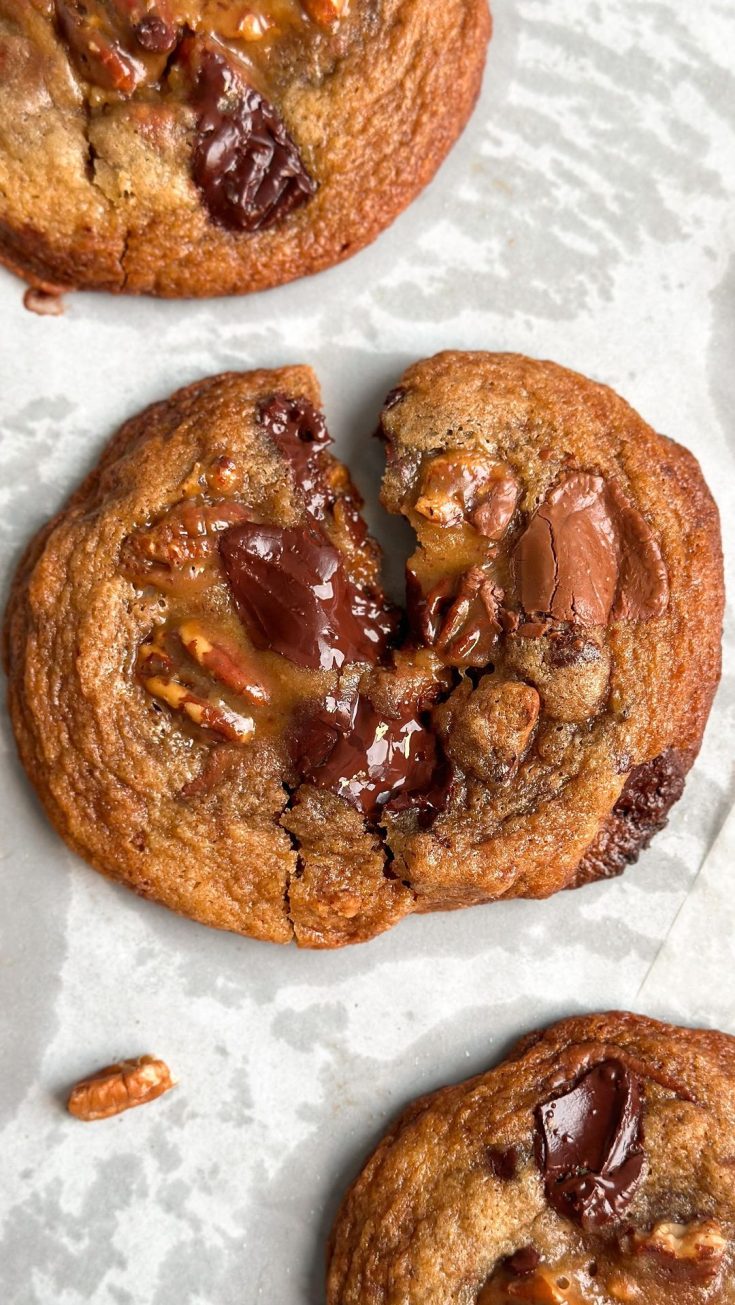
{"points": [[596, 1165], [209, 147], [220, 707]]}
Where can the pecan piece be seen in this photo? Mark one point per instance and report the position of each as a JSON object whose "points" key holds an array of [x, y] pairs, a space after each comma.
{"points": [[225, 662], [245, 163], [153, 657], [253, 27], [460, 620], [215, 716], [223, 475], [466, 486], [119, 1087], [175, 551], [326, 12], [118, 44], [691, 1252], [96, 46]]}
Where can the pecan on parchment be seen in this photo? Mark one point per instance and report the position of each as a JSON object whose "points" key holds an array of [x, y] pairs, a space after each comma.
{"points": [[119, 1087]]}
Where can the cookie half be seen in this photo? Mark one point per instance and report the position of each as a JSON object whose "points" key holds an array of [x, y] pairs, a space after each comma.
{"points": [[183, 148], [219, 706], [569, 569], [594, 1166]]}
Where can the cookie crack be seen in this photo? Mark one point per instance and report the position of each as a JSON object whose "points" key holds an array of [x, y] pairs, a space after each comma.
{"points": [[296, 848], [373, 828], [90, 167]]}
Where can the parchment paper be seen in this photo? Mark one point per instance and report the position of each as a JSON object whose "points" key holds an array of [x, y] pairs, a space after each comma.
{"points": [[586, 216]]}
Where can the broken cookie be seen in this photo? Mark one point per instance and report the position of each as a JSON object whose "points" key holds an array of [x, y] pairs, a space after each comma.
{"points": [[221, 707]]}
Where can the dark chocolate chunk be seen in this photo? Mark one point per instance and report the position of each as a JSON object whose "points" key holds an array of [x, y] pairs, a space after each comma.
{"points": [[426, 611], [503, 1161], [495, 510], [294, 596], [245, 163], [587, 556], [430, 801], [372, 762], [642, 809], [589, 1145], [300, 433], [317, 736]]}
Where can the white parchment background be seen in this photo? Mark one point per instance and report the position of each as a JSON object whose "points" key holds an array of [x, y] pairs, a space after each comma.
{"points": [[585, 216]]}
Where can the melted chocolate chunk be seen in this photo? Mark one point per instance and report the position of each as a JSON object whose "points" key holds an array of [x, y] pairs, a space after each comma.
{"points": [[589, 1145], [426, 611], [318, 735], [245, 163], [373, 762], [300, 433], [430, 801], [588, 555], [294, 596], [640, 812]]}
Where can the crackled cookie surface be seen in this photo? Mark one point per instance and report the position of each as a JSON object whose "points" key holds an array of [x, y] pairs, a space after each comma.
{"points": [[203, 147], [594, 1166], [219, 706]]}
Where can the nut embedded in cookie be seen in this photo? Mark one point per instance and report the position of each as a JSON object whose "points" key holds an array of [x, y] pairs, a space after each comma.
{"points": [[468, 487], [687, 1252]]}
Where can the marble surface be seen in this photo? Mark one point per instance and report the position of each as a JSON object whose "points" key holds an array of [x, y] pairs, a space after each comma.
{"points": [[586, 216]]}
